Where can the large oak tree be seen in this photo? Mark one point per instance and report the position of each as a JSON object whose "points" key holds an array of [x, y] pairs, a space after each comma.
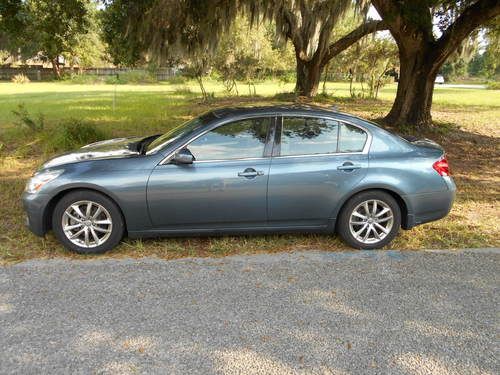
{"points": [[423, 51], [309, 24], [163, 26]]}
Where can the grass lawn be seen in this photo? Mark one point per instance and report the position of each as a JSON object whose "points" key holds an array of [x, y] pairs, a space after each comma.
{"points": [[467, 123]]}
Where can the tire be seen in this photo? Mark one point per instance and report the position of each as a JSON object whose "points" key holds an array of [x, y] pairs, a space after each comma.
{"points": [[387, 215], [95, 233]]}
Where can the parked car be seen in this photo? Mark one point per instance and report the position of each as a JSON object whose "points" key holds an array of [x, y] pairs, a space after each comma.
{"points": [[439, 79], [243, 170]]}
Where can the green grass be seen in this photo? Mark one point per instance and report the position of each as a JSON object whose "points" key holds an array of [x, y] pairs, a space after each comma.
{"points": [[466, 123]]}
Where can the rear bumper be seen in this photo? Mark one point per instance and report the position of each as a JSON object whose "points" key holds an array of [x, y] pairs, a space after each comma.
{"points": [[423, 208], [34, 207]]}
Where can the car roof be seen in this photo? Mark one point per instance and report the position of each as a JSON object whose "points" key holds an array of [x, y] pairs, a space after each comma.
{"points": [[282, 109], [251, 110]]}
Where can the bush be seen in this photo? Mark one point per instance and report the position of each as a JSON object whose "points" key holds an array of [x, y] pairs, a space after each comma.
{"points": [[26, 120], [177, 80], [70, 135], [83, 79], [134, 77], [493, 85], [20, 78], [287, 77]]}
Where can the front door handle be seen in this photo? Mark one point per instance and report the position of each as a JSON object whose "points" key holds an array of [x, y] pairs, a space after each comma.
{"points": [[348, 166], [250, 173]]}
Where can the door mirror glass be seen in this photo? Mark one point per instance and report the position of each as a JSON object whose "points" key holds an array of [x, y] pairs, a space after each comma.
{"points": [[183, 156]]}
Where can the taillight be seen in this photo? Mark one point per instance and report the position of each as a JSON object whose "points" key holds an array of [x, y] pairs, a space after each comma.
{"points": [[442, 167]]}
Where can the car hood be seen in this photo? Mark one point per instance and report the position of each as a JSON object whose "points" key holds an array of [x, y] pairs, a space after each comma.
{"points": [[112, 148]]}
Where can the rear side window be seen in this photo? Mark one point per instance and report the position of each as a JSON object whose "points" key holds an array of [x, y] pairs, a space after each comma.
{"points": [[308, 135], [352, 138]]}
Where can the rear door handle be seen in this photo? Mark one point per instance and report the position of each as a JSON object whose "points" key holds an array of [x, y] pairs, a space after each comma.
{"points": [[250, 173], [348, 166]]}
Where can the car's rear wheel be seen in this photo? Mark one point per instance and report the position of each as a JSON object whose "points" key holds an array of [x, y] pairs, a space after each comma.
{"points": [[87, 222], [369, 220]]}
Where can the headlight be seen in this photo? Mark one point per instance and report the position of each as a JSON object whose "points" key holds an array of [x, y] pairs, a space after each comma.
{"points": [[36, 182]]}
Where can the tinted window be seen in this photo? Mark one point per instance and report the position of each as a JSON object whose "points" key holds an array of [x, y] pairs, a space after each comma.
{"points": [[240, 139], [308, 135], [180, 131], [352, 139]]}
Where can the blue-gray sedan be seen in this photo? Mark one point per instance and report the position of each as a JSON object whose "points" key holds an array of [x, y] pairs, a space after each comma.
{"points": [[243, 170]]}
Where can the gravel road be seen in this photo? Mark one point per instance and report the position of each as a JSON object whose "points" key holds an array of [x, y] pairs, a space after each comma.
{"points": [[379, 312]]}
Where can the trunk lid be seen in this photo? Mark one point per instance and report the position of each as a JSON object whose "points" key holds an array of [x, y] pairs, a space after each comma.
{"points": [[424, 145]]}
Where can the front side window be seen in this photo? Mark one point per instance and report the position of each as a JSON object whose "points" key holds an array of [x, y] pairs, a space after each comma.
{"points": [[308, 135], [236, 140]]}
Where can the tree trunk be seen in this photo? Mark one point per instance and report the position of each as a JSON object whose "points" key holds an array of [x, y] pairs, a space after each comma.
{"points": [[199, 78], [412, 105], [308, 77], [56, 69]]}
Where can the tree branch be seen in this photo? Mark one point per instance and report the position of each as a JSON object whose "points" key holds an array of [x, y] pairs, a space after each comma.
{"points": [[472, 17], [348, 40]]}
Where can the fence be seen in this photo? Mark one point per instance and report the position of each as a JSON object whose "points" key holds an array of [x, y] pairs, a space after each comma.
{"points": [[46, 74]]}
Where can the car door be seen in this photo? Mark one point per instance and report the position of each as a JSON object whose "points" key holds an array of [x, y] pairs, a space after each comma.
{"points": [[315, 162], [226, 185]]}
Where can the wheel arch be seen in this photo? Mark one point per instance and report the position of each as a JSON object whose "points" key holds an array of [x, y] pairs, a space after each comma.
{"points": [[49, 208], [398, 197]]}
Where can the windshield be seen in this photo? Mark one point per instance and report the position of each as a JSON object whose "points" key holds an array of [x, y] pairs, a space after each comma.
{"points": [[178, 132]]}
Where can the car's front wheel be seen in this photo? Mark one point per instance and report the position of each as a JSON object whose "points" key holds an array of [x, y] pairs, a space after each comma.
{"points": [[369, 220], [87, 222]]}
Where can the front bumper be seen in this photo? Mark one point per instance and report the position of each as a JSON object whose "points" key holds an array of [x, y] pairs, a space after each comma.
{"points": [[35, 207]]}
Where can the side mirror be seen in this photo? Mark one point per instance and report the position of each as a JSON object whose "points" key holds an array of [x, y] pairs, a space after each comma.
{"points": [[183, 156]]}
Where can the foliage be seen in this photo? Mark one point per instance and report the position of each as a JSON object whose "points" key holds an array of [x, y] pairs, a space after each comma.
{"points": [[198, 66], [13, 20], [486, 63], [456, 66], [247, 54], [83, 79], [24, 119], [123, 38], [128, 77], [4, 55], [369, 62], [20, 78], [54, 28], [134, 77], [71, 134], [169, 30], [90, 48], [177, 80], [287, 76], [423, 51], [493, 85]]}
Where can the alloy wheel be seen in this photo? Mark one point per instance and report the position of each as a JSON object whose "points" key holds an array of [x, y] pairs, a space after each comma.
{"points": [[87, 224], [371, 221]]}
